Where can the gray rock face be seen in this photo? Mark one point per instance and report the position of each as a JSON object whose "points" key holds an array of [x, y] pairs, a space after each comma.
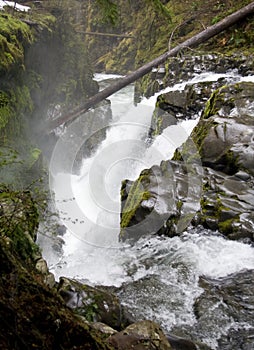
{"points": [[225, 134], [224, 137], [182, 104], [227, 204], [95, 304], [164, 198], [233, 300]]}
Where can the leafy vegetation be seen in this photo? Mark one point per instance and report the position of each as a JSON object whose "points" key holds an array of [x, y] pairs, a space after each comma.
{"points": [[109, 11], [152, 22]]}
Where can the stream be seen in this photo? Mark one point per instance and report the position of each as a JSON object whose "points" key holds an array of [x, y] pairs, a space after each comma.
{"points": [[158, 278]]}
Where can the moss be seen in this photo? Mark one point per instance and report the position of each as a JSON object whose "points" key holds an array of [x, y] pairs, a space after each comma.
{"points": [[5, 109], [213, 208], [136, 195], [18, 221], [179, 205], [34, 316], [156, 125], [210, 107], [226, 227], [200, 132], [219, 98], [16, 103], [14, 36], [230, 162]]}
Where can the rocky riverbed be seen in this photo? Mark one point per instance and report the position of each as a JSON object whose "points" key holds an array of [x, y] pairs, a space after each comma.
{"points": [[213, 169]]}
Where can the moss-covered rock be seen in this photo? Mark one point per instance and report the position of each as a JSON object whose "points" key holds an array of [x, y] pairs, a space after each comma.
{"points": [[34, 316], [32, 313], [223, 143], [94, 304], [163, 200], [226, 124], [15, 35], [186, 67]]}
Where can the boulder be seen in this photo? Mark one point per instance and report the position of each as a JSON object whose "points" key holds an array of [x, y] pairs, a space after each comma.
{"points": [[227, 204], [143, 335], [225, 132], [94, 304], [183, 104], [165, 198], [224, 137]]}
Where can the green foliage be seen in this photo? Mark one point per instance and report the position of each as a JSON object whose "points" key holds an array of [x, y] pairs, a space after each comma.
{"points": [[161, 9], [238, 38], [15, 103], [216, 19], [151, 23], [14, 36], [19, 221], [109, 11], [8, 156], [5, 109]]}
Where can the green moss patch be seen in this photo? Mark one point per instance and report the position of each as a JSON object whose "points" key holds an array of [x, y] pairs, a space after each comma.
{"points": [[136, 195], [14, 36]]}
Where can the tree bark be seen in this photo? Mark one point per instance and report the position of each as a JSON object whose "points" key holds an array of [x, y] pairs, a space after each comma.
{"points": [[140, 72]]}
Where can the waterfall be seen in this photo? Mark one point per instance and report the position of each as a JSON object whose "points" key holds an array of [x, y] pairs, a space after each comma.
{"points": [[159, 274]]}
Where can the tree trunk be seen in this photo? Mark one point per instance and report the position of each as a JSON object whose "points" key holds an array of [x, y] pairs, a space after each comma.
{"points": [[140, 72]]}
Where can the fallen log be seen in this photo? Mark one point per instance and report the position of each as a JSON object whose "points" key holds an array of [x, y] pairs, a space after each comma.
{"points": [[108, 34], [140, 72]]}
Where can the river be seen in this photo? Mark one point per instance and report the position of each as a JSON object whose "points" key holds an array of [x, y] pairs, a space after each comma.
{"points": [[157, 278]]}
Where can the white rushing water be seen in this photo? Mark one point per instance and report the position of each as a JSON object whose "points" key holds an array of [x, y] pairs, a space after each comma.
{"points": [[89, 205], [13, 4]]}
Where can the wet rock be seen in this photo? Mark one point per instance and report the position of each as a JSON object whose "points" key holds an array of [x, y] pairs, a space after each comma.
{"points": [[224, 134], [185, 68], [163, 200], [160, 121], [42, 267], [228, 301], [104, 328], [95, 304], [143, 335], [178, 343], [181, 104], [227, 205]]}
